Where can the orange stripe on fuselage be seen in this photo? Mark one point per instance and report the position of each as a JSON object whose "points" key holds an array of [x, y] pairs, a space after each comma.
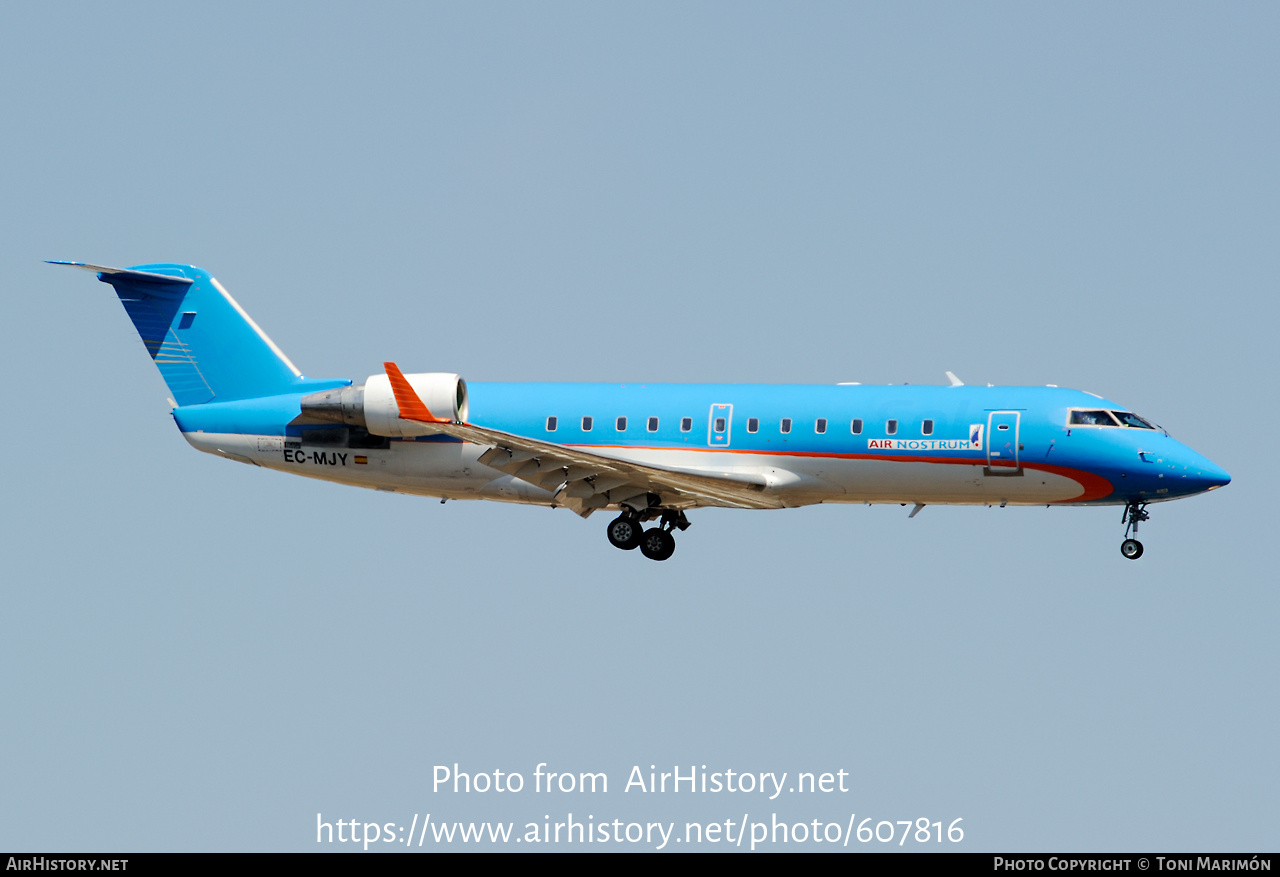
{"points": [[1092, 486]]}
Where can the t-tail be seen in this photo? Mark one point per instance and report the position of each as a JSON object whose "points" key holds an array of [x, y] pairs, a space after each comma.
{"points": [[205, 345]]}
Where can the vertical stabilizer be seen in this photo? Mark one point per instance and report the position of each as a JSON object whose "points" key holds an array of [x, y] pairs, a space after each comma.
{"points": [[205, 345]]}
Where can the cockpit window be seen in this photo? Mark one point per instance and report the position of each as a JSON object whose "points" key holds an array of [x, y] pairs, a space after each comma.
{"points": [[1128, 418], [1092, 418], [1107, 418]]}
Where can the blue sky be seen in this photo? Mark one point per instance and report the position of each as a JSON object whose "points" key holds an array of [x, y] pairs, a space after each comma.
{"points": [[202, 656]]}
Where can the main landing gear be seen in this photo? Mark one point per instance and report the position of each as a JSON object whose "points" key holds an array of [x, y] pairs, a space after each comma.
{"points": [[1134, 514], [657, 543]]}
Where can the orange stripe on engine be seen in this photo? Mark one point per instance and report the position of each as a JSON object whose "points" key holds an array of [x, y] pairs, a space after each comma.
{"points": [[410, 405]]}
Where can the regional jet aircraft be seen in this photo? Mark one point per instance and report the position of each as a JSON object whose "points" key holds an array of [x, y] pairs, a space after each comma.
{"points": [[647, 452]]}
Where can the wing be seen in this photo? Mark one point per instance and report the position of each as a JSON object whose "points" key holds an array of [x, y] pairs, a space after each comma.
{"points": [[582, 480]]}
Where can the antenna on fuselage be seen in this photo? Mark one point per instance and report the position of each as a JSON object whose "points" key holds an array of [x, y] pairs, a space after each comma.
{"points": [[955, 381]]}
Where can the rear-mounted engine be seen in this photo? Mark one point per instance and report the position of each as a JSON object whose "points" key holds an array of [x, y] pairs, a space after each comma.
{"points": [[373, 405]]}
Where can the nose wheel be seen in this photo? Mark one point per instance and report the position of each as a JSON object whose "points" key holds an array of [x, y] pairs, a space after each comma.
{"points": [[1134, 514], [1131, 548]]}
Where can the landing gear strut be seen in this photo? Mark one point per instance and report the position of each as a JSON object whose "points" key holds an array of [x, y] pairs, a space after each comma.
{"points": [[657, 543], [1134, 514]]}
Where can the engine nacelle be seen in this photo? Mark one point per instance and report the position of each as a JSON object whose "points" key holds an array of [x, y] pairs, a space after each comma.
{"points": [[373, 406], [445, 396]]}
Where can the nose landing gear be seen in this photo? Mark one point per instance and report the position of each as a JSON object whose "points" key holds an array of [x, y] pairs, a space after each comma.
{"points": [[657, 543], [1134, 514]]}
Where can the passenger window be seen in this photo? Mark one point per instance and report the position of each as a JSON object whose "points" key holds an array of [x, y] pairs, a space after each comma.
{"points": [[856, 426], [786, 424], [686, 424], [586, 424], [926, 428], [891, 427], [1092, 418], [653, 424], [1128, 418], [551, 424], [720, 424], [753, 424], [622, 424], [821, 426]]}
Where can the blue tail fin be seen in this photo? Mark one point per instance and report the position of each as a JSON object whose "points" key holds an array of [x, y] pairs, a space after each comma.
{"points": [[206, 347]]}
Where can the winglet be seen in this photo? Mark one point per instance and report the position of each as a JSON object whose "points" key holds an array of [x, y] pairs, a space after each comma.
{"points": [[410, 405]]}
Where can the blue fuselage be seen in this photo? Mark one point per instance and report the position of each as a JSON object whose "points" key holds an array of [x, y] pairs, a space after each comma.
{"points": [[849, 438]]}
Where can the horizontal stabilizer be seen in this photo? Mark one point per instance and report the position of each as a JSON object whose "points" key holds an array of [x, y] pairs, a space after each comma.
{"points": [[125, 273]]}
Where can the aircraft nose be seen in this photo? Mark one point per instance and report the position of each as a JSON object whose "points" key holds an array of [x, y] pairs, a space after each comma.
{"points": [[1203, 474], [1216, 476]]}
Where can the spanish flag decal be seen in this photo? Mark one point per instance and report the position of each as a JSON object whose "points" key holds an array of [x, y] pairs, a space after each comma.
{"points": [[361, 461]]}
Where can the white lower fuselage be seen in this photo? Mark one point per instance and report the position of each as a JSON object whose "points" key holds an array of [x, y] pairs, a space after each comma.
{"points": [[452, 470]]}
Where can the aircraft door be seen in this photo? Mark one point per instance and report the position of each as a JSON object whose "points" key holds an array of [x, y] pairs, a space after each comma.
{"points": [[1002, 443], [719, 426]]}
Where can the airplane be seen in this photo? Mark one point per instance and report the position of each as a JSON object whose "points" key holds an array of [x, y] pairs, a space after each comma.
{"points": [[647, 452]]}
